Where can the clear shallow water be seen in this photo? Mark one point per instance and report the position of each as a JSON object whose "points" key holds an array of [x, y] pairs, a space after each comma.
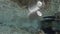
{"points": [[14, 20]]}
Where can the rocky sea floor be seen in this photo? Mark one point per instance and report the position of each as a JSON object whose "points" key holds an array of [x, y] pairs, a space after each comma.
{"points": [[9, 18]]}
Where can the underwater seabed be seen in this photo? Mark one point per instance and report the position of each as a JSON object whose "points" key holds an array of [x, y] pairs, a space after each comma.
{"points": [[14, 20]]}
